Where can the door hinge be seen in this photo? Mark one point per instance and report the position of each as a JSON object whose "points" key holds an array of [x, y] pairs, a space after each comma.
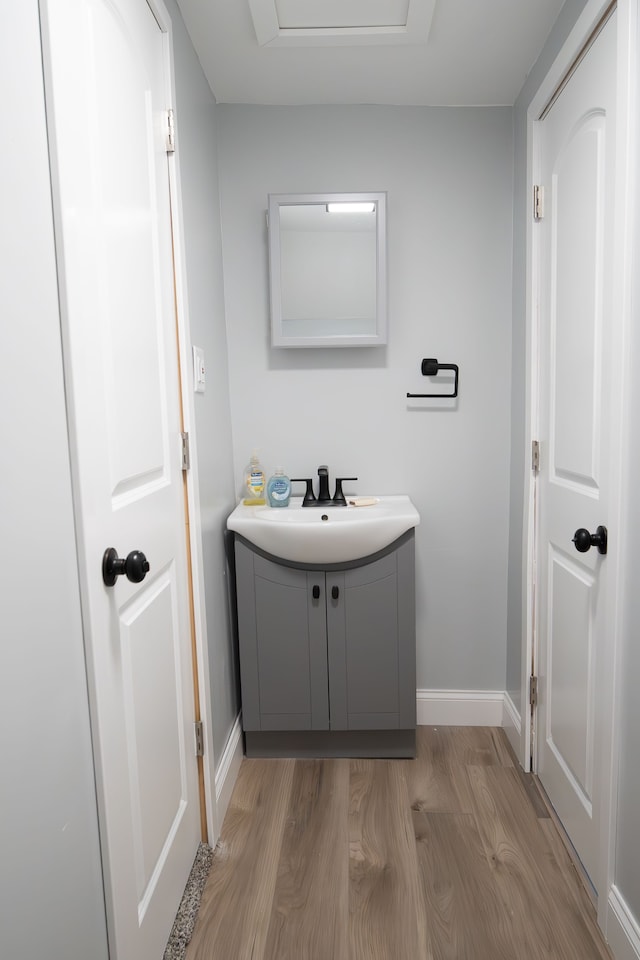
{"points": [[199, 735], [185, 451], [538, 202], [535, 455], [171, 132], [533, 691]]}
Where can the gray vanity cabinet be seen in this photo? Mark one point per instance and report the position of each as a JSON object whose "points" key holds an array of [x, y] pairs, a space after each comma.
{"points": [[327, 651], [283, 645]]}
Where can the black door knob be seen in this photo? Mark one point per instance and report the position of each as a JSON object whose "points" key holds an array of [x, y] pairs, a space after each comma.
{"points": [[585, 540], [335, 592], [316, 592], [135, 567]]}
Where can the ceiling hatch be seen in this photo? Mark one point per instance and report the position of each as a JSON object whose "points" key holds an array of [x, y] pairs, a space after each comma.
{"points": [[341, 22]]}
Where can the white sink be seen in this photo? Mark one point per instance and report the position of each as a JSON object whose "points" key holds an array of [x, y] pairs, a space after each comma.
{"points": [[325, 534]]}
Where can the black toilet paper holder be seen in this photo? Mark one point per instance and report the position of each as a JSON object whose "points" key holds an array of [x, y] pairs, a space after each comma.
{"points": [[430, 368]]}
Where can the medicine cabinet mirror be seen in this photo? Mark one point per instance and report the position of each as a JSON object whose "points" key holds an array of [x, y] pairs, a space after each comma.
{"points": [[327, 265]]}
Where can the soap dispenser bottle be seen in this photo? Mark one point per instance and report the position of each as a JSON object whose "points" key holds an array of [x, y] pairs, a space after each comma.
{"points": [[279, 489], [254, 483]]}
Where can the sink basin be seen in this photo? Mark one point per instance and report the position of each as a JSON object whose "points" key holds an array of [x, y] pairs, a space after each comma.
{"points": [[325, 534]]}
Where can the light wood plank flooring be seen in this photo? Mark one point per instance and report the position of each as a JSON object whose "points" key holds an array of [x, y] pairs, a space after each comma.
{"points": [[445, 857]]}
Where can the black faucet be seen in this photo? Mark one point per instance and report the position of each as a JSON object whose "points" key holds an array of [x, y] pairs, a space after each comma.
{"points": [[309, 496], [324, 497], [323, 490]]}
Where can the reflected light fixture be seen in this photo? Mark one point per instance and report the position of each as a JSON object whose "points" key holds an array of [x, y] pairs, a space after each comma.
{"points": [[351, 207]]}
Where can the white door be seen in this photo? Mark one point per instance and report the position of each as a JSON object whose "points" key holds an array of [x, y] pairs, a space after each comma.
{"points": [[576, 141], [108, 89]]}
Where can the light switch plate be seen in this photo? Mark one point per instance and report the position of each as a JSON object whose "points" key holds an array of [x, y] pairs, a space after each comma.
{"points": [[199, 371]]}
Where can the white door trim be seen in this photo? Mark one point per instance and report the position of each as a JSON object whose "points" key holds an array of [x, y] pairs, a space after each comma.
{"points": [[193, 488], [627, 158], [626, 71]]}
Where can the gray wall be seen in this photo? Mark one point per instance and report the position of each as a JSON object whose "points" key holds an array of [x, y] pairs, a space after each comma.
{"points": [[51, 899], [519, 376], [448, 174], [197, 127]]}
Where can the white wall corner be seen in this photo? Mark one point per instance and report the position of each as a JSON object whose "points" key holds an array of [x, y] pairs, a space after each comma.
{"points": [[227, 772], [460, 708], [623, 930]]}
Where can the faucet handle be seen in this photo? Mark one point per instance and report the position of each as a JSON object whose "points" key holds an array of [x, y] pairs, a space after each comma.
{"points": [[338, 497], [309, 496]]}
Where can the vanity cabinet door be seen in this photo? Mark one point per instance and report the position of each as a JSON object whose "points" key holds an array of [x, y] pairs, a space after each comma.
{"points": [[371, 644], [324, 650], [283, 645]]}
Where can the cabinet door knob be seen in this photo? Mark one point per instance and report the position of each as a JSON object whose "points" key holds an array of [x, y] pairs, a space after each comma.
{"points": [[315, 593], [335, 592]]}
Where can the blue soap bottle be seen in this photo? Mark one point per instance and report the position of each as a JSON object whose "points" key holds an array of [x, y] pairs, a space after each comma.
{"points": [[279, 489]]}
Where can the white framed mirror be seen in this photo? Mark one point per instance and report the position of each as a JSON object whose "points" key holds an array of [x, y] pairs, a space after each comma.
{"points": [[327, 269]]}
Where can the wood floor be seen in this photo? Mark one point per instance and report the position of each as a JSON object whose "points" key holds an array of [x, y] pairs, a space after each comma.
{"points": [[446, 857]]}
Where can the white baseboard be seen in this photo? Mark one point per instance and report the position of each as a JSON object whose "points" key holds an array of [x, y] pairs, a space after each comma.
{"points": [[623, 930], [460, 708], [228, 768], [512, 724]]}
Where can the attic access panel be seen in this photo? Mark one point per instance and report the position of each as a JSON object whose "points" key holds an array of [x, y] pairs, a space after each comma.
{"points": [[341, 22]]}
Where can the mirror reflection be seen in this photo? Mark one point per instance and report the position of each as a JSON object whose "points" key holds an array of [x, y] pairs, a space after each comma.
{"points": [[327, 269]]}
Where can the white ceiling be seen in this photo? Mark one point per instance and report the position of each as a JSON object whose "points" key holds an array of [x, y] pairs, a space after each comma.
{"points": [[470, 52]]}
